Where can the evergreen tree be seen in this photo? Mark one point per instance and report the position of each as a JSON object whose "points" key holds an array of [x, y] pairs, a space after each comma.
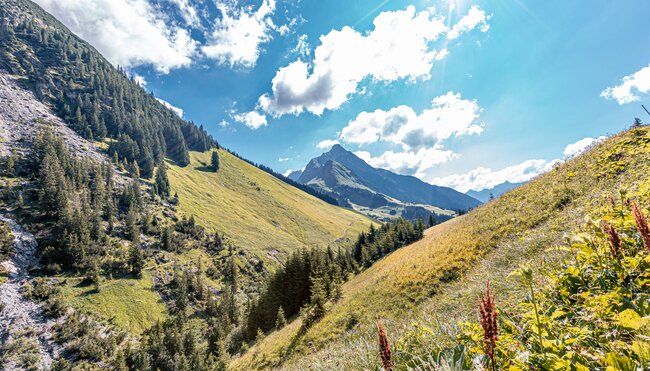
{"points": [[280, 320], [162, 181], [95, 277], [432, 220], [136, 259], [10, 164], [214, 164]]}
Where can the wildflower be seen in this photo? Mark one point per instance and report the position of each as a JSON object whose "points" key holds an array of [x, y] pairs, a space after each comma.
{"points": [[642, 225], [384, 348], [614, 240], [488, 316]]}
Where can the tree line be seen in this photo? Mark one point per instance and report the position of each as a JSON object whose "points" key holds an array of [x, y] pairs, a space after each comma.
{"points": [[311, 278], [305, 188]]}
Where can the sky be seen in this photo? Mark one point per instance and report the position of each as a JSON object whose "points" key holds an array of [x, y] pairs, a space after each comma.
{"points": [[466, 94]]}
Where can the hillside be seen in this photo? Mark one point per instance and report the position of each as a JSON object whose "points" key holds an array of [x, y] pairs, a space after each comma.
{"points": [[377, 192], [487, 194], [263, 217], [97, 253], [94, 98], [424, 290]]}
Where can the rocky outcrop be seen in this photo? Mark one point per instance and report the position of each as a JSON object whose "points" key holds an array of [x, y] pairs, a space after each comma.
{"points": [[21, 115], [21, 318]]}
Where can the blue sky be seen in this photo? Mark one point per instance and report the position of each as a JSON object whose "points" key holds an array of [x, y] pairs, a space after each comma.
{"points": [[463, 93]]}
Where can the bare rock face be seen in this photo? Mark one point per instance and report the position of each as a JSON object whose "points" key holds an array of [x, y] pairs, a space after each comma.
{"points": [[21, 318], [21, 116]]}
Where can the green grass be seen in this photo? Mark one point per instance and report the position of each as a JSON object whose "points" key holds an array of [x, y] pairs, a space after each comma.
{"points": [[257, 212], [432, 285], [130, 304]]}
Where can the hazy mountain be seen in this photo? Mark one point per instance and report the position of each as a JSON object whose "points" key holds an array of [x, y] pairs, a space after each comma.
{"points": [[295, 175], [343, 175], [494, 192]]}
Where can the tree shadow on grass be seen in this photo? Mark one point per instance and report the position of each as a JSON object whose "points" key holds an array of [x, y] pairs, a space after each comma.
{"points": [[205, 169]]}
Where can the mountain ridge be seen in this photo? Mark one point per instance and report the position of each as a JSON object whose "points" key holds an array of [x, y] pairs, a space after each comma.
{"points": [[487, 194], [405, 188]]}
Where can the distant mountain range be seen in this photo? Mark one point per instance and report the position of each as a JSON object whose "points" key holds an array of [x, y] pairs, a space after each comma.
{"points": [[494, 192], [377, 192]]}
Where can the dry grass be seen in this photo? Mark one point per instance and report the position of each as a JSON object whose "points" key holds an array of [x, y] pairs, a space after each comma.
{"points": [[257, 212], [424, 289]]}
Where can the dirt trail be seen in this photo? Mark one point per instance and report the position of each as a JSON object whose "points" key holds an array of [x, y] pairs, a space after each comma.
{"points": [[21, 317]]}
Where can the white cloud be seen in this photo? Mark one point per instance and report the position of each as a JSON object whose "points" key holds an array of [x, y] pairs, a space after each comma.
{"points": [[177, 111], [224, 123], [409, 163], [327, 143], [420, 136], [287, 173], [189, 12], [140, 80], [475, 17], [580, 146], [302, 47], [283, 159], [448, 116], [239, 34], [399, 47], [625, 92], [126, 32], [482, 177], [252, 119]]}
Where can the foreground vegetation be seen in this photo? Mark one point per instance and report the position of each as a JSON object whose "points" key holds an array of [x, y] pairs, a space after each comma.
{"points": [[424, 290], [590, 313]]}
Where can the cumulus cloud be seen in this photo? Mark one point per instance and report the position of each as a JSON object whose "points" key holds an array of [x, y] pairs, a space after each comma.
{"points": [[238, 35], [475, 18], [483, 177], [629, 88], [420, 136], [580, 146], [449, 115], [399, 47], [140, 80], [177, 111], [409, 163], [126, 32], [252, 119], [327, 143], [283, 159]]}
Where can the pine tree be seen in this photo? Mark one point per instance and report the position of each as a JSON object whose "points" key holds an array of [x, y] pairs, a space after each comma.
{"points": [[136, 260], [280, 320], [52, 184], [95, 277], [132, 227], [181, 292], [162, 181], [215, 161], [318, 298], [134, 169], [10, 165], [432, 220]]}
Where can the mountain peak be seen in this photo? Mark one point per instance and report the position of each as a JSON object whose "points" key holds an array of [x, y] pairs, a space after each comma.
{"points": [[337, 148]]}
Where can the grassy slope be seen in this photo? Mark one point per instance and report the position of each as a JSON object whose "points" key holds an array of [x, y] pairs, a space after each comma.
{"points": [[435, 281], [275, 217], [130, 304], [258, 212]]}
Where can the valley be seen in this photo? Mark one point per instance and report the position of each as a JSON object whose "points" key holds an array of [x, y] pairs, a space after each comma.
{"points": [[133, 238]]}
